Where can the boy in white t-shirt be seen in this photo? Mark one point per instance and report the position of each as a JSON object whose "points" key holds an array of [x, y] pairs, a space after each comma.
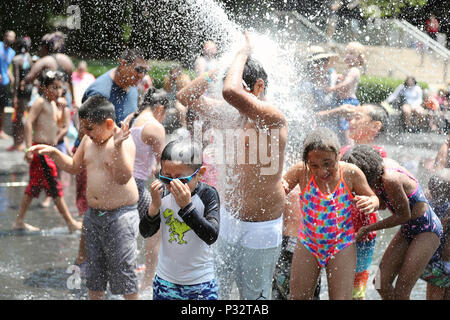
{"points": [[189, 218]]}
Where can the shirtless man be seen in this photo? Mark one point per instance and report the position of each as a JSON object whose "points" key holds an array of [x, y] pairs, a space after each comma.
{"points": [[111, 222], [42, 128], [53, 58], [251, 217]]}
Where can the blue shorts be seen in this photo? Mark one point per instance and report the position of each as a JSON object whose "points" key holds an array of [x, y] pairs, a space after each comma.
{"points": [[165, 290]]}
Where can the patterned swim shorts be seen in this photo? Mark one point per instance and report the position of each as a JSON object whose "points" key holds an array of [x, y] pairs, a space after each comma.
{"points": [[165, 290]]}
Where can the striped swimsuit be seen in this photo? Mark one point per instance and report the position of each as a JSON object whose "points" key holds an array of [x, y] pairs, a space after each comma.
{"points": [[327, 221]]}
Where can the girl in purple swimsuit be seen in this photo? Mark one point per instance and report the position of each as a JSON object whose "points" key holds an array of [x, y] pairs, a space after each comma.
{"points": [[419, 239]]}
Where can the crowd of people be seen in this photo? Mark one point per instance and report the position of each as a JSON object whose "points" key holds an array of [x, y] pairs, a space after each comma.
{"points": [[209, 225]]}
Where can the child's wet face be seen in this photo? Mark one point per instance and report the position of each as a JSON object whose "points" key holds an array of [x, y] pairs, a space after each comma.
{"points": [[54, 90], [351, 56], [176, 169], [362, 125], [98, 132], [323, 164]]}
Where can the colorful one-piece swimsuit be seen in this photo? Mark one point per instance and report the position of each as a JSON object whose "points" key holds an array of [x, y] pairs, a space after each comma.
{"points": [[327, 221]]}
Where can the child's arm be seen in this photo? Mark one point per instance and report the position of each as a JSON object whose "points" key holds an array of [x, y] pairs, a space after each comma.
{"points": [[35, 110], [192, 97], [291, 178], [365, 199], [63, 162], [155, 136], [124, 153], [397, 196], [441, 157], [65, 115], [205, 226], [352, 76], [150, 223], [248, 104]]}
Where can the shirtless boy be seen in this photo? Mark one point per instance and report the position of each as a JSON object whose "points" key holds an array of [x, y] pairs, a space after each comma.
{"points": [[42, 128], [111, 222], [251, 218]]}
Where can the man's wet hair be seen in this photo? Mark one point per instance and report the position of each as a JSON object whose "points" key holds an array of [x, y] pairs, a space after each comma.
{"points": [[97, 109], [368, 160], [184, 151], [253, 70], [130, 55], [322, 139]]}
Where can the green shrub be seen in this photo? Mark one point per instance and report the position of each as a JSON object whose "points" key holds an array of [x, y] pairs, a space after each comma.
{"points": [[377, 89]]}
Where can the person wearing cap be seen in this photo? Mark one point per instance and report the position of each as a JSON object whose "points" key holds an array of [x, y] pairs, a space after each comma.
{"points": [[319, 77]]}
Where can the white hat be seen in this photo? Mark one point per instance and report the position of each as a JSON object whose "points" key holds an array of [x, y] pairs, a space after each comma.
{"points": [[318, 53]]}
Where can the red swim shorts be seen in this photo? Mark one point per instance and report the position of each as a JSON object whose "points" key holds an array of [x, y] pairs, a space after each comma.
{"points": [[43, 175]]}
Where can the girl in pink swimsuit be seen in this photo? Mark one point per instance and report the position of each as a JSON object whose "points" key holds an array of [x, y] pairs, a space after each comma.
{"points": [[329, 190]]}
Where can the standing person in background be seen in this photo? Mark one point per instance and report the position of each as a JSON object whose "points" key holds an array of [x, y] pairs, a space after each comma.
{"points": [[432, 26], [6, 77], [22, 64], [81, 80], [207, 61], [53, 58], [175, 80], [347, 84], [118, 85]]}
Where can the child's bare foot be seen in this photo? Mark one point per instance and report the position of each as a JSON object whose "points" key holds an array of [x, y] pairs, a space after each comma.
{"points": [[24, 226], [74, 226]]}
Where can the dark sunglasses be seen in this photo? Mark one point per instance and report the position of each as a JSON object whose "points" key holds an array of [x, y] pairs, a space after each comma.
{"points": [[184, 180], [140, 69]]}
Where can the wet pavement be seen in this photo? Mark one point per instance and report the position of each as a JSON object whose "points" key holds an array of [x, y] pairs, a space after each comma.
{"points": [[38, 265]]}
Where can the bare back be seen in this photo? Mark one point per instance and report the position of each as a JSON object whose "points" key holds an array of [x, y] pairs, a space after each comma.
{"points": [[102, 192]]}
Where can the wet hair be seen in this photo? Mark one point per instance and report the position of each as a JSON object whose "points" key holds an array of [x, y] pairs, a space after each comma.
{"points": [[184, 151], [23, 44], [54, 42], [97, 109], [153, 98], [321, 139], [130, 55], [253, 70], [49, 76], [378, 113], [368, 160]]}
